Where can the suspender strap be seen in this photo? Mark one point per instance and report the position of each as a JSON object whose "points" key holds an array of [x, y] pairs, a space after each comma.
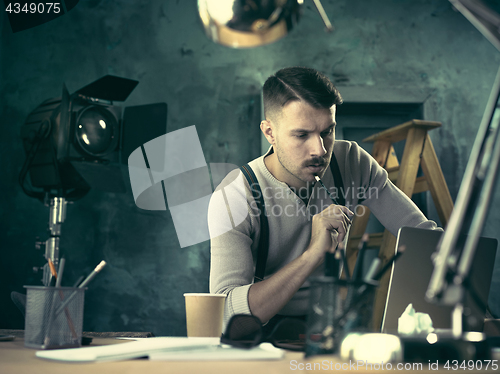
{"points": [[263, 248], [337, 179]]}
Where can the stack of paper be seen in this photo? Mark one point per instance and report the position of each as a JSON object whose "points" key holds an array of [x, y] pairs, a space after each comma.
{"points": [[164, 348]]}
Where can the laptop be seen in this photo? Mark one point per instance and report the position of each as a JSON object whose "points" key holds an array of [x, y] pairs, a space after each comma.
{"points": [[412, 272]]}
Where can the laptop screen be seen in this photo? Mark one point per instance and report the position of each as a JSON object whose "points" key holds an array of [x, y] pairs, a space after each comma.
{"points": [[412, 272]]}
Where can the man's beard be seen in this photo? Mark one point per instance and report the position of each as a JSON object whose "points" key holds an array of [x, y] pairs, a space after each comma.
{"points": [[319, 161]]}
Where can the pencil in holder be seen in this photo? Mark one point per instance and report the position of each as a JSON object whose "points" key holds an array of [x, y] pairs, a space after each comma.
{"points": [[336, 308]]}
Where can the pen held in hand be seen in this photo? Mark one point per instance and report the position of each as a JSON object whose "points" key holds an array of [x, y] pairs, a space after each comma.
{"points": [[341, 250], [331, 265], [318, 179], [338, 260]]}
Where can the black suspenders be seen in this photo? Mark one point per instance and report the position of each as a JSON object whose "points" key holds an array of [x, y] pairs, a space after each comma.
{"points": [[263, 247], [337, 179], [262, 250]]}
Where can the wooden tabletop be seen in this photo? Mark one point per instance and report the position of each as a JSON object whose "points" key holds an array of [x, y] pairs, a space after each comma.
{"points": [[16, 359]]}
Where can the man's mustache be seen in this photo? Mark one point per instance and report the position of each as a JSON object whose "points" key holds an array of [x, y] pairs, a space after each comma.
{"points": [[316, 162]]}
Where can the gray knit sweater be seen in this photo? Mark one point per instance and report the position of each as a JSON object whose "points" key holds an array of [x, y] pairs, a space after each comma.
{"points": [[234, 221]]}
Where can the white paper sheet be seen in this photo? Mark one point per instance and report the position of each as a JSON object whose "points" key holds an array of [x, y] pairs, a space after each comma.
{"points": [[164, 348], [124, 351], [265, 351]]}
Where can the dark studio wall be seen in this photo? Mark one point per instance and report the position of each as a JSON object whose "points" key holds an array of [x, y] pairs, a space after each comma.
{"points": [[381, 50]]}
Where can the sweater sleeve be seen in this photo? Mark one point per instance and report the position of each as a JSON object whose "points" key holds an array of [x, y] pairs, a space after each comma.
{"points": [[230, 222], [388, 203]]}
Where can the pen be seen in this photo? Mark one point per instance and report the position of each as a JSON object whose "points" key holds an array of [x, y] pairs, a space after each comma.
{"points": [[60, 272], [341, 250], [52, 316], [78, 281], [326, 189], [91, 276], [340, 321], [53, 272], [358, 268], [338, 259], [389, 263], [361, 291], [331, 265], [371, 270]]}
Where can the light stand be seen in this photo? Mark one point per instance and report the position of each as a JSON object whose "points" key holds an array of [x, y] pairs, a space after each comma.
{"points": [[57, 207]]}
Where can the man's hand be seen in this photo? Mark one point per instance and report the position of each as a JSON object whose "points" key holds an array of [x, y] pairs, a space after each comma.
{"points": [[329, 228], [268, 297]]}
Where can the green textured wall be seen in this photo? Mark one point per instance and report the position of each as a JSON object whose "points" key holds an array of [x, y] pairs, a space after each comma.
{"points": [[380, 50]]}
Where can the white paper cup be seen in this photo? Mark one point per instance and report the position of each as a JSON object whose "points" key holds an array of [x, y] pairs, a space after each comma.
{"points": [[204, 314]]}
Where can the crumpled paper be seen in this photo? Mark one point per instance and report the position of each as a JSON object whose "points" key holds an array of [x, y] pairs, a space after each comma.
{"points": [[411, 322]]}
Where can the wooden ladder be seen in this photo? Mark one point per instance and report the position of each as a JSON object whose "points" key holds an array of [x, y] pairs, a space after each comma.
{"points": [[418, 150]]}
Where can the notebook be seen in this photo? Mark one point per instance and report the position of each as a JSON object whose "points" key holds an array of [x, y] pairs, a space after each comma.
{"points": [[412, 272]]}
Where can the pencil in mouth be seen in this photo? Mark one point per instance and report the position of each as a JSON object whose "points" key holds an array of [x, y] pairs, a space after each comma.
{"points": [[334, 200]]}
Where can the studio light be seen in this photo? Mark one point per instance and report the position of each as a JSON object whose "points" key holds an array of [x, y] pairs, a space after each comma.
{"points": [[96, 132], [81, 141]]}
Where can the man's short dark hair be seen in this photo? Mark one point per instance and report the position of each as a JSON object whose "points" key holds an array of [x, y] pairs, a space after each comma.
{"points": [[301, 84]]}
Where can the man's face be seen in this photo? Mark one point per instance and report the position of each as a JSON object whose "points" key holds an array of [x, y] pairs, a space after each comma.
{"points": [[303, 139]]}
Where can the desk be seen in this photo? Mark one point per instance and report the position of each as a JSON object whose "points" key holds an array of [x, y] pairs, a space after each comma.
{"points": [[16, 359]]}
